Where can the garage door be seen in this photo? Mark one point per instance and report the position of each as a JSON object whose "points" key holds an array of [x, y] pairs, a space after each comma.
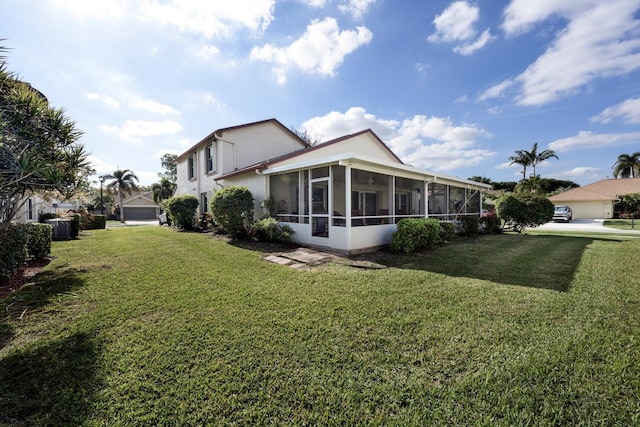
{"points": [[587, 210], [140, 214]]}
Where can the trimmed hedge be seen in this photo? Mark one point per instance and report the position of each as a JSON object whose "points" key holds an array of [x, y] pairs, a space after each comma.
{"points": [[447, 231], [39, 238], [182, 210], [13, 250], [232, 209], [98, 222], [470, 224], [415, 235], [75, 224]]}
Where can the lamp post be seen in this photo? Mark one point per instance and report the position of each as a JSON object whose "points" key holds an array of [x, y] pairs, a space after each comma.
{"points": [[101, 205]]}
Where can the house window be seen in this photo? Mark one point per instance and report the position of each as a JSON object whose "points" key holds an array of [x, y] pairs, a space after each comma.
{"points": [[209, 158], [30, 213], [204, 202], [192, 167]]}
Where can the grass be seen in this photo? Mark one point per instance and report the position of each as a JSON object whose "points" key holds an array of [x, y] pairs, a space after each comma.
{"points": [[623, 224], [147, 326]]}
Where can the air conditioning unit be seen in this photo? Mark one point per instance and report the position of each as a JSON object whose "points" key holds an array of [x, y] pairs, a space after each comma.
{"points": [[61, 228]]}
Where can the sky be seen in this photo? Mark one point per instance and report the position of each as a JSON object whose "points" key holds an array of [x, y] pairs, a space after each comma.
{"points": [[451, 87]]}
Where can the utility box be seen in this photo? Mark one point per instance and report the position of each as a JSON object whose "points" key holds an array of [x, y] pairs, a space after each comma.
{"points": [[61, 228]]}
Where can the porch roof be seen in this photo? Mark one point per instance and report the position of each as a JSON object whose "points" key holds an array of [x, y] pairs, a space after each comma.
{"points": [[372, 164]]}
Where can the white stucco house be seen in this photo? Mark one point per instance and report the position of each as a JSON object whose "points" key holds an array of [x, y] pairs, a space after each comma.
{"points": [[34, 205], [598, 199], [346, 194]]}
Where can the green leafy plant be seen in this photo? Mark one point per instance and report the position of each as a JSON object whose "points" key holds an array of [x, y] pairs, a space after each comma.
{"points": [[447, 232], [523, 210], [470, 224], [269, 230], [491, 224], [13, 250], [415, 235], [182, 210], [38, 240], [232, 209]]}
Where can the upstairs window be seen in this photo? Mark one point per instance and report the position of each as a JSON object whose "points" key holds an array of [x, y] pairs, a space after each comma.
{"points": [[209, 158], [191, 166]]}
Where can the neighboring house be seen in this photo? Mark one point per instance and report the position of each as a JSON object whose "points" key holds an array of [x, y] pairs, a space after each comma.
{"points": [[597, 200], [346, 194], [35, 205], [139, 206]]}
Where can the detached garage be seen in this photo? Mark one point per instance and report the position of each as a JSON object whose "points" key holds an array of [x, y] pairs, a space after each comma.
{"points": [[139, 206], [597, 200]]}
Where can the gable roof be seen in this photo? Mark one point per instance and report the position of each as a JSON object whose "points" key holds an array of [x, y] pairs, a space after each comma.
{"points": [[271, 162], [604, 190], [219, 132]]}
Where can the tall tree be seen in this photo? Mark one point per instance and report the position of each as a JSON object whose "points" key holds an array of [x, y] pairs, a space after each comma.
{"points": [[627, 166], [531, 158], [537, 158], [162, 190], [122, 181], [168, 161], [39, 146]]}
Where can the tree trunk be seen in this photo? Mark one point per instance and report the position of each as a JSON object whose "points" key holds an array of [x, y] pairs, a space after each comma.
{"points": [[121, 207]]}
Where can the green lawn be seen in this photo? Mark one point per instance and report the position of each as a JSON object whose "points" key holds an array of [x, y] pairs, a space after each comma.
{"points": [[147, 326], [623, 224]]}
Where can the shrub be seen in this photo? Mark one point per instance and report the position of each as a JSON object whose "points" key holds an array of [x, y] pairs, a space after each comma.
{"points": [[206, 221], [520, 211], [39, 238], [182, 210], [447, 231], [415, 235], [75, 225], [268, 230], [98, 222], [232, 209], [13, 250], [469, 225], [43, 217], [491, 224]]}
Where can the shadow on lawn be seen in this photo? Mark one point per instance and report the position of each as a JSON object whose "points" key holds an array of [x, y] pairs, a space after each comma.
{"points": [[538, 261], [49, 385], [40, 290]]}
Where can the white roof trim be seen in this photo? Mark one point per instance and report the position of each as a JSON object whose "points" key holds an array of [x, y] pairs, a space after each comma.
{"points": [[395, 169]]}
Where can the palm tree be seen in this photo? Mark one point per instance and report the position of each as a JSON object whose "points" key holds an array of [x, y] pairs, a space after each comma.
{"points": [[537, 158], [123, 181], [627, 166], [163, 190], [521, 158], [531, 158]]}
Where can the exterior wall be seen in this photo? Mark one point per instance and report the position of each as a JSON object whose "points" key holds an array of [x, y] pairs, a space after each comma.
{"points": [[363, 143], [235, 149], [256, 183], [589, 210]]}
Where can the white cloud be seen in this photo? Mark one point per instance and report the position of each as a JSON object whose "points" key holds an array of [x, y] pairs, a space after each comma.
{"points": [[203, 53], [152, 106], [468, 48], [579, 54], [426, 142], [582, 172], [134, 130], [319, 4], [105, 99], [421, 68], [101, 166], [210, 99], [588, 139], [628, 110], [357, 8], [320, 50], [215, 19], [521, 15], [456, 24], [496, 91]]}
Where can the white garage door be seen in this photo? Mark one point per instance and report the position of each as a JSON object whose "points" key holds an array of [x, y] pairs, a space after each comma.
{"points": [[587, 210]]}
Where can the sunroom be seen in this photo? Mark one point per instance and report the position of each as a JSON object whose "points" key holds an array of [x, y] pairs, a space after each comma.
{"points": [[351, 203]]}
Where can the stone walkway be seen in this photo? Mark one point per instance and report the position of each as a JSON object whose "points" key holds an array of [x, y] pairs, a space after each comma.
{"points": [[301, 257], [306, 258]]}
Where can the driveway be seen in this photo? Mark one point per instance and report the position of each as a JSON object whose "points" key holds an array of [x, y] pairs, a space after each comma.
{"points": [[585, 225]]}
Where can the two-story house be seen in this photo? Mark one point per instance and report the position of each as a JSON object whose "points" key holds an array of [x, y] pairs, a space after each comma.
{"points": [[346, 194]]}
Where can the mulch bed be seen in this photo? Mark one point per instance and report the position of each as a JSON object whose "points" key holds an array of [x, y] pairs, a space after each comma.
{"points": [[30, 269]]}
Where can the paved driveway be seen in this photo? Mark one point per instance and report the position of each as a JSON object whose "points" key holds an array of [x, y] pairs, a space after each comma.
{"points": [[588, 225]]}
